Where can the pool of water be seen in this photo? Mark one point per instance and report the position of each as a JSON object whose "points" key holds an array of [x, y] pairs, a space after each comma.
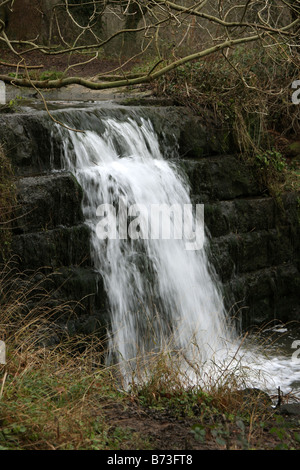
{"points": [[274, 354]]}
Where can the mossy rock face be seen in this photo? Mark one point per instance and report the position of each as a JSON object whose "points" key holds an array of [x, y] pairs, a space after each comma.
{"points": [[293, 149]]}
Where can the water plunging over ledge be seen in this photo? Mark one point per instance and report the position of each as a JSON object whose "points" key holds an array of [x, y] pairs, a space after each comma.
{"points": [[161, 295]]}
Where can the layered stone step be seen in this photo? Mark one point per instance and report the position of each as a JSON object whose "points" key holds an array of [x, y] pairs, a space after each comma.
{"points": [[72, 299], [29, 142], [264, 295], [238, 253], [250, 214], [240, 215], [222, 177], [83, 292], [64, 246], [52, 244], [47, 201], [48, 226], [34, 144]]}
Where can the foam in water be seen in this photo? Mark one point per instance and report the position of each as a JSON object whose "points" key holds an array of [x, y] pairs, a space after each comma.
{"points": [[160, 294]]}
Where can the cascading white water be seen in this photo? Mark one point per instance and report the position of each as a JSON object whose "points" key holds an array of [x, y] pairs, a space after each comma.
{"points": [[160, 294]]}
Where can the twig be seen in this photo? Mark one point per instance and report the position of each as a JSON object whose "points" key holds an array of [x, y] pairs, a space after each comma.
{"points": [[279, 401], [46, 106], [235, 355], [3, 382], [21, 66]]}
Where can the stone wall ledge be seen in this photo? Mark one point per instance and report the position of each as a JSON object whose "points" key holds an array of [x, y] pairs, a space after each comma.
{"points": [[63, 246], [47, 201]]}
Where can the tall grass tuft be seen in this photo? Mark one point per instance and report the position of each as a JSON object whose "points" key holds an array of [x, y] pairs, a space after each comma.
{"points": [[50, 390], [54, 394], [8, 203]]}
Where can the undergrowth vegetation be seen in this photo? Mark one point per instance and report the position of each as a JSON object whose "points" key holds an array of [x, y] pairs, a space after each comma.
{"points": [[7, 203], [62, 395], [249, 91], [49, 390]]}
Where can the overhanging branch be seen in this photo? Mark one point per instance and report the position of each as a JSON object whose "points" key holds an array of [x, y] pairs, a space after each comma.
{"points": [[59, 83]]}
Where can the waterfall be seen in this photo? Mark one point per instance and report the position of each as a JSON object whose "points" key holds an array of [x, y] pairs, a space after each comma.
{"points": [[162, 291], [161, 294]]}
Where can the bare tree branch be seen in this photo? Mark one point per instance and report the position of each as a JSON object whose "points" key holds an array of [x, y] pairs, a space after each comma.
{"points": [[217, 27]]}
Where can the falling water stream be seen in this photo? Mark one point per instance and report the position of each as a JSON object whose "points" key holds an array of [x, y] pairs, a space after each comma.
{"points": [[161, 294]]}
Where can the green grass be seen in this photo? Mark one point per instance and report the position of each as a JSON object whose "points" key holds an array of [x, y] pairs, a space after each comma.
{"points": [[63, 396], [50, 75], [53, 399], [57, 407]]}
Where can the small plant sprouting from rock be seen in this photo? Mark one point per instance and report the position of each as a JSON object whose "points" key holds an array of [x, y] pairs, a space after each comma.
{"points": [[271, 159]]}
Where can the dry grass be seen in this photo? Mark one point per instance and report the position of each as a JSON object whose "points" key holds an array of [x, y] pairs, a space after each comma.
{"points": [[46, 391], [247, 90], [62, 396], [7, 203]]}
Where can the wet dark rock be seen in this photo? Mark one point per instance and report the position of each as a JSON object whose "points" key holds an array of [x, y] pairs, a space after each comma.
{"points": [[289, 409], [262, 296], [57, 247], [220, 178], [27, 141], [254, 238], [48, 201], [240, 215]]}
